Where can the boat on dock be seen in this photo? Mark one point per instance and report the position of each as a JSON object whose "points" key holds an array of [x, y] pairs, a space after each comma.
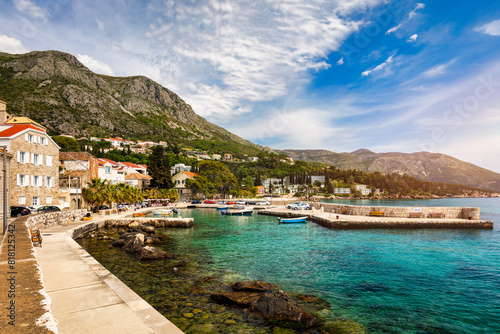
{"points": [[292, 220], [222, 207]]}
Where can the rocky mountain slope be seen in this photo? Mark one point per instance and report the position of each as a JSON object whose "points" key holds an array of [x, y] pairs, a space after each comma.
{"points": [[56, 90], [421, 165]]}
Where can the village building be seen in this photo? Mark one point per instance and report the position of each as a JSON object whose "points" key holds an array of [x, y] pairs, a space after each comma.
{"points": [[77, 169], [261, 190], [5, 162], [362, 188], [320, 178], [179, 180], [341, 191], [130, 167], [179, 168], [34, 167], [228, 157], [111, 171], [138, 180]]}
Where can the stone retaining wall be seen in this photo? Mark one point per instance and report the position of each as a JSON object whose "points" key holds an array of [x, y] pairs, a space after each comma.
{"points": [[400, 212], [157, 222], [44, 220]]}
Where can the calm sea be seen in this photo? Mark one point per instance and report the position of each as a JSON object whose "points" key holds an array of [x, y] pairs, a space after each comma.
{"points": [[391, 281]]}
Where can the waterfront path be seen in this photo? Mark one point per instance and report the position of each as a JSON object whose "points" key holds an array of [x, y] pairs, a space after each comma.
{"points": [[85, 296]]}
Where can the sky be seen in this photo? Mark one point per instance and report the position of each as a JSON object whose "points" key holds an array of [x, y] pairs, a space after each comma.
{"points": [[389, 76]]}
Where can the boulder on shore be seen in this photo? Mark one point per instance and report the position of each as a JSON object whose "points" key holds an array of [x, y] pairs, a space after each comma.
{"points": [[238, 298], [134, 245]]}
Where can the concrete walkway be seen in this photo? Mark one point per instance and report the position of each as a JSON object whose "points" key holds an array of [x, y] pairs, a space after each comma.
{"points": [[86, 297]]}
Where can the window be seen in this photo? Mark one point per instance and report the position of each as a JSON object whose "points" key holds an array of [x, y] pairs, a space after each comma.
{"points": [[107, 169], [29, 138], [23, 157], [22, 180], [49, 160], [36, 200], [48, 200], [49, 181], [41, 140], [22, 199], [36, 181], [36, 159]]}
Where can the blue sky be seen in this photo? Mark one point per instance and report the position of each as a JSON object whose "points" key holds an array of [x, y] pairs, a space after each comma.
{"points": [[403, 76]]}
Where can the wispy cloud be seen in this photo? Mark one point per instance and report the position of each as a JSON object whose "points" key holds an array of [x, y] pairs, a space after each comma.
{"points": [[438, 69], [411, 15], [340, 61], [31, 9], [11, 45], [95, 65], [492, 28], [379, 67]]}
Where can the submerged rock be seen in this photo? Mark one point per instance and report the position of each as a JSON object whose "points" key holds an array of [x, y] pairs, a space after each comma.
{"points": [[251, 286], [118, 243], [153, 253], [239, 298], [279, 306]]}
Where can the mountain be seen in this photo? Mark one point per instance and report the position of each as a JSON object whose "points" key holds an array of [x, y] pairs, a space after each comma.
{"points": [[425, 166], [59, 92]]}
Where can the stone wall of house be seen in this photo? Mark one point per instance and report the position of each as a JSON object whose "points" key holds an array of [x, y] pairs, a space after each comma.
{"points": [[400, 212], [8, 163], [42, 192], [42, 221]]}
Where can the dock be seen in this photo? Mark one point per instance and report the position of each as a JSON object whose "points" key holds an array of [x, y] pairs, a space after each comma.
{"points": [[386, 217]]}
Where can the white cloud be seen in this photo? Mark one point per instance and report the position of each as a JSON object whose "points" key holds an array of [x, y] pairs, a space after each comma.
{"points": [[393, 29], [418, 6], [413, 38], [31, 9], [492, 28], [340, 61], [95, 65], [241, 53], [379, 67], [11, 45]]}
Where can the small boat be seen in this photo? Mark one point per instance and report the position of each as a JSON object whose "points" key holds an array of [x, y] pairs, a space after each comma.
{"points": [[162, 212], [292, 220], [237, 212], [222, 207]]}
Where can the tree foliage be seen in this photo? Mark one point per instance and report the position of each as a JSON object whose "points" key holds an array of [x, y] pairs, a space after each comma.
{"points": [[159, 169], [67, 144]]}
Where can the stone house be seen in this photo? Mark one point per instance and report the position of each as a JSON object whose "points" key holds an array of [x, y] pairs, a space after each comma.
{"points": [[179, 180], [7, 168], [35, 166]]}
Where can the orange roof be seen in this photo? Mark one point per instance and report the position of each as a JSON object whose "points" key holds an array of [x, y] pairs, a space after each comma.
{"points": [[130, 164], [3, 101], [104, 160], [190, 174], [137, 176], [14, 130]]}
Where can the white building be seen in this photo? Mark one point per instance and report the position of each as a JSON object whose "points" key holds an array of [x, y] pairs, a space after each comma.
{"points": [[111, 171], [179, 168], [341, 191], [320, 178]]}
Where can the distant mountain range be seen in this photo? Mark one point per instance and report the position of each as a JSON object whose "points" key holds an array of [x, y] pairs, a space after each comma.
{"points": [[425, 166], [58, 91]]}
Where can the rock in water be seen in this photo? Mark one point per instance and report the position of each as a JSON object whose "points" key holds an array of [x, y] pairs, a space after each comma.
{"points": [[135, 245], [239, 298], [153, 253], [251, 286], [279, 306]]}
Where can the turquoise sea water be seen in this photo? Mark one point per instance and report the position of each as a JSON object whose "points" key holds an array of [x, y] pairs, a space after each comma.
{"points": [[391, 281]]}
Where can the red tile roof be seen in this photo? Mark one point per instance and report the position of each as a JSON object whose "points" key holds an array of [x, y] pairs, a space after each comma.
{"points": [[14, 130], [130, 164], [190, 174], [104, 160]]}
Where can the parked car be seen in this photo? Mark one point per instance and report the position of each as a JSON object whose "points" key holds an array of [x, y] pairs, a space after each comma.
{"points": [[263, 203], [300, 206], [196, 202], [289, 206], [251, 202], [48, 208], [241, 203], [103, 207], [18, 211], [207, 201]]}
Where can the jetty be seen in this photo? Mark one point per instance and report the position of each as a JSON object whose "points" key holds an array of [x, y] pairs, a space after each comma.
{"points": [[369, 217]]}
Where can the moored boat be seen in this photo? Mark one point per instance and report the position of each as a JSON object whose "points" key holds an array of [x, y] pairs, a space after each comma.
{"points": [[237, 212], [292, 220]]}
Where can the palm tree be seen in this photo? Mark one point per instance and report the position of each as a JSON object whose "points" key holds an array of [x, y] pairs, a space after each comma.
{"points": [[97, 192]]}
